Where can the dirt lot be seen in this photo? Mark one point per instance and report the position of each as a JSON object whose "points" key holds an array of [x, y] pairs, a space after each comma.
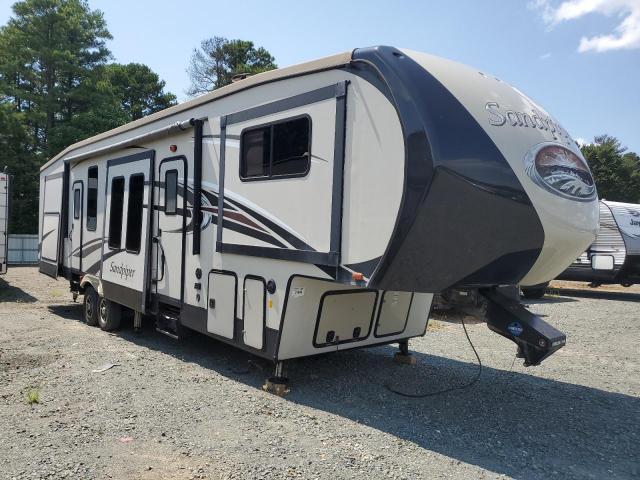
{"points": [[194, 409]]}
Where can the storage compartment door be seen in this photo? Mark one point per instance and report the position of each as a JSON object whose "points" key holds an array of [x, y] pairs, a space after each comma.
{"points": [[344, 316], [394, 312], [221, 313], [254, 312]]}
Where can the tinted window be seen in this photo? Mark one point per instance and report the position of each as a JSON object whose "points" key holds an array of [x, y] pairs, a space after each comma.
{"points": [[290, 147], [115, 212], [76, 203], [255, 149], [92, 199], [277, 150], [134, 213], [171, 192]]}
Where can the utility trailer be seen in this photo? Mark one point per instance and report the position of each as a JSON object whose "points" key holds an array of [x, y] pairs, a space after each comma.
{"points": [[5, 198], [319, 207]]}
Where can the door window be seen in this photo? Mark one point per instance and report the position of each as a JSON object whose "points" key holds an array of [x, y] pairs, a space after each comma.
{"points": [[76, 204], [171, 192], [92, 199], [134, 213], [115, 213]]}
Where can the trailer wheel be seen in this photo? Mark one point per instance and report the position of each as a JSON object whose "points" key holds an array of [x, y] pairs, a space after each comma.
{"points": [[109, 315], [91, 305], [535, 292]]}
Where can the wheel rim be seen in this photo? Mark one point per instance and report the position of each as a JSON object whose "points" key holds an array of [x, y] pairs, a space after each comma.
{"points": [[88, 308], [103, 309]]}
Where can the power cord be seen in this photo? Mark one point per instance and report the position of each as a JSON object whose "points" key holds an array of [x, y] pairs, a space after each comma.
{"points": [[450, 389]]}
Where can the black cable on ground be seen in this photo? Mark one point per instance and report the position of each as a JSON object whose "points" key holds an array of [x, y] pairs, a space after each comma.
{"points": [[450, 389]]}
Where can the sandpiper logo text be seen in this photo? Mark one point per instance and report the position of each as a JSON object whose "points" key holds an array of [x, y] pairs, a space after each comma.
{"points": [[123, 270], [534, 119]]}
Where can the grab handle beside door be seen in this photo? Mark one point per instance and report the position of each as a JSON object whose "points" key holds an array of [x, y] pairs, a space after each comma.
{"points": [[157, 241]]}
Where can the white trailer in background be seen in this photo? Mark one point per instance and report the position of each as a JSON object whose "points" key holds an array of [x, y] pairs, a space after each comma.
{"points": [[4, 221], [614, 257], [319, 207]]}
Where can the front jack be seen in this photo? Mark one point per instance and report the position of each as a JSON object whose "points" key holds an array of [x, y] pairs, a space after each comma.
{"points": [[403, 357], [278, 384]]}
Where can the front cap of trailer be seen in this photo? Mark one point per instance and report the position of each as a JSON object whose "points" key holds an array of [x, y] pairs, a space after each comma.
{"points": [[483, 204]]}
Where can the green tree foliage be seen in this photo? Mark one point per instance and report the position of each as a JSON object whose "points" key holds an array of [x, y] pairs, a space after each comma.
{"points": [[57, 87], [218, 59], [616, 171], [49, 48], [138, 89], [16, 155]]}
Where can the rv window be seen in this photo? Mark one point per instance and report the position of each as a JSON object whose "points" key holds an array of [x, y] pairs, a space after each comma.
{"points": [[76, 204], [277, 150], [255, 153], [134, 213], [115, 212], [171, 192], [92, 199], [290, 147]]}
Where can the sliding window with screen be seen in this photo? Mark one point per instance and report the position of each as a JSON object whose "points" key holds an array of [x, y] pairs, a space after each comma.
{"points": [[278, 150]]}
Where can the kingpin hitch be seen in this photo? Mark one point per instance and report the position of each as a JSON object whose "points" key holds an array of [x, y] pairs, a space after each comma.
{"points": [[535, 338]]}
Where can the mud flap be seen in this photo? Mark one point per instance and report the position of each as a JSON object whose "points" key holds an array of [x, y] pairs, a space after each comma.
{"points": [[536, 339]]}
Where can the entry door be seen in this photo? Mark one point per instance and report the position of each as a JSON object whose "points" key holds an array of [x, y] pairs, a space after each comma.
{"points": [[75, 235], [169, 236], [125, 254], [4, 221]]}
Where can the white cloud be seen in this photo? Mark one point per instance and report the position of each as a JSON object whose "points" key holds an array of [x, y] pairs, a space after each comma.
{"points": [[581, 141], [625, 36], [545, 56]]}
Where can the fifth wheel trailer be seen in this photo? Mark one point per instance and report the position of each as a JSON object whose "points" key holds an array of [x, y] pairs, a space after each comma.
{"points": [[4, 220], [319, 207]]}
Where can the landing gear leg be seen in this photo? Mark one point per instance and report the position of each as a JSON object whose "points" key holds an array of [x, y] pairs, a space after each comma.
{"points": [[137, 322], [403, 356], [278, 384]]}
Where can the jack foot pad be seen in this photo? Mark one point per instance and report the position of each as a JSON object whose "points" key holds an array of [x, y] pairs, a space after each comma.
{"points": [[276, 386], [403, 359]]}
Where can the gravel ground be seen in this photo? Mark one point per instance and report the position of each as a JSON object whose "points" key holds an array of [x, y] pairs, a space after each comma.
{"points": [[195, 409]]}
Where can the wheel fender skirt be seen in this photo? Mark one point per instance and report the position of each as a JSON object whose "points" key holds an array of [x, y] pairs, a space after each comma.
{"points": [[535, 338]]}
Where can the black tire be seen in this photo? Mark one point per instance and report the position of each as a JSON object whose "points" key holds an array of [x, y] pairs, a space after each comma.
{"points": [[535, 292], [91, 305], [109, 315]]}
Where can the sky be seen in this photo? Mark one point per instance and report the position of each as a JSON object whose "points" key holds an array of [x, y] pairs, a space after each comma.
{"points": [[580, 59]]}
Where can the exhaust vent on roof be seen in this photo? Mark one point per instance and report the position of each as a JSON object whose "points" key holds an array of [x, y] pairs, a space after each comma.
{"points": [[240, 76]]}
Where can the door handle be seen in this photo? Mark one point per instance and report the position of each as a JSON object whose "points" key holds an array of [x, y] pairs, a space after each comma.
{"points": [[157, 241]]}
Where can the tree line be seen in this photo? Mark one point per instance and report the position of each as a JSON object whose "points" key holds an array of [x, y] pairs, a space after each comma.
{"points": [[59, 85]]}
